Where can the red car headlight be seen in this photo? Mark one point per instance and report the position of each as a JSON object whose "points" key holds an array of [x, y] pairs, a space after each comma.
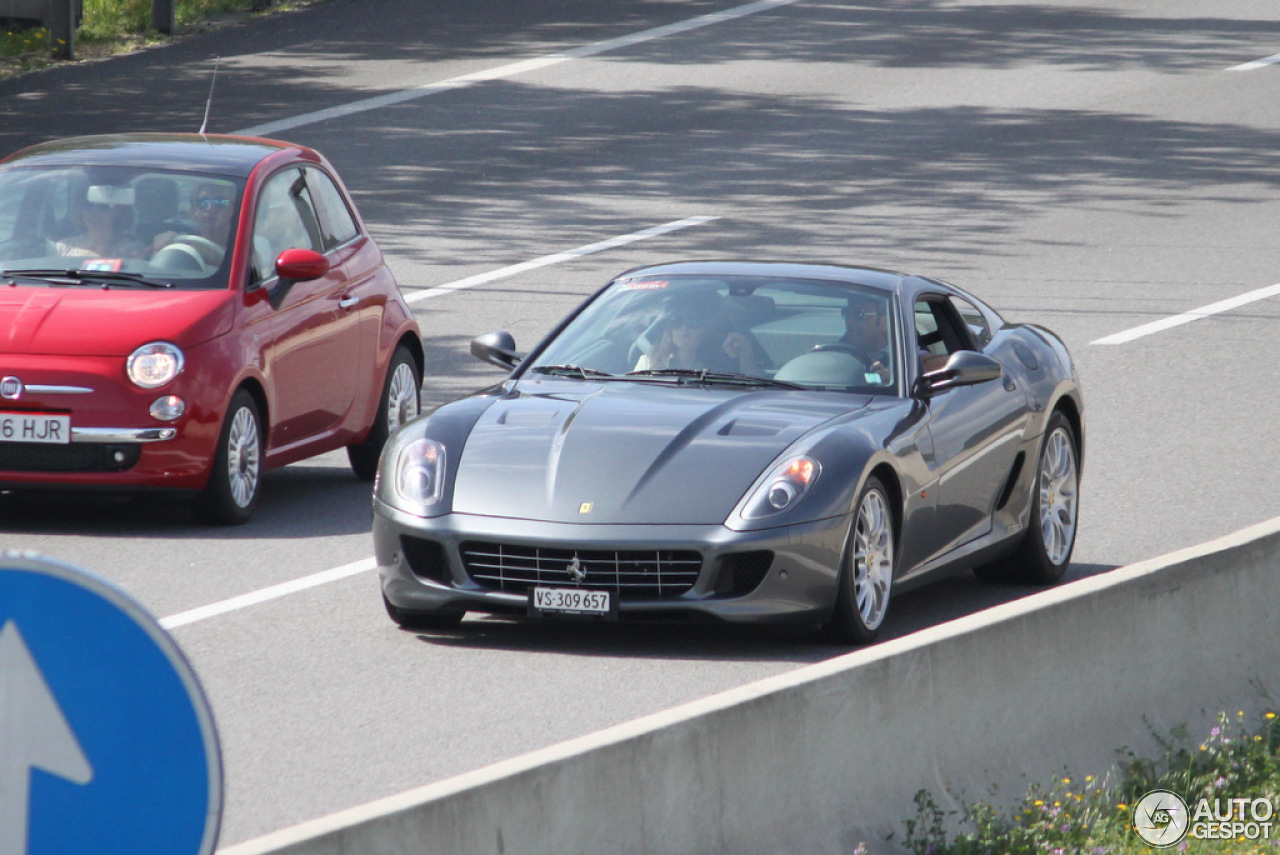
{"points": [[154, 364]]}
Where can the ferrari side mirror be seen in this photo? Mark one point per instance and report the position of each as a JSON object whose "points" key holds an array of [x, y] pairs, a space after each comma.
{"points": [[496, 348], [963, 368]]}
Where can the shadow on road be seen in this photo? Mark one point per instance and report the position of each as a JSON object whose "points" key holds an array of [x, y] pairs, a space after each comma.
{"points": [[299, 501], [932, 605]]}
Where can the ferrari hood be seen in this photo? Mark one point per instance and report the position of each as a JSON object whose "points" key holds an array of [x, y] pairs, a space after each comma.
{"points": [[605, 453], [86, 321]]}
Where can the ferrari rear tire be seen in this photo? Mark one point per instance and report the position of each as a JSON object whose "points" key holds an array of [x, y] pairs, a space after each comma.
{"points": [[421, 620], [235, 481], [866, 572], [1043, 555], [399, 403]]}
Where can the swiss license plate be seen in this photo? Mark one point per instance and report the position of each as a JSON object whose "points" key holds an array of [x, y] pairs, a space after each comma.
{"points": [[35, 427], [570, 601]]}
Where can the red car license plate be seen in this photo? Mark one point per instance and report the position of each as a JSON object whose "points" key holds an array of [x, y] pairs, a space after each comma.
{"points": [[35, 427]]}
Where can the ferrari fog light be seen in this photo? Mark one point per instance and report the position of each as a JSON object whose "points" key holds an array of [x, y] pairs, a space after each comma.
{"points": [[783, 488], [154, 364], [420, 472], [168, 408]]}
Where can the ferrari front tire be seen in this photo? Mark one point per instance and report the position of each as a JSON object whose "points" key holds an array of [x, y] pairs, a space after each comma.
{"points": [[421, 620], [235, 480], [866, 572], [1043, 555]]}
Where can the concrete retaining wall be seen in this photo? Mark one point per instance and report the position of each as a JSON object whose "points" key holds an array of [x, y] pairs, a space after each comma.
{"points": [[818, 759]]}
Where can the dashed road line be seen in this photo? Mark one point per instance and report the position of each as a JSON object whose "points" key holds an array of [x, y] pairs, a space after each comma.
{"points": [[514, 68], [555, 258], [1257, 63], [264, 595], [1187, 317]]}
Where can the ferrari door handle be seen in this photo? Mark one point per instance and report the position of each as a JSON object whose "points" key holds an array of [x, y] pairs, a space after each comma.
{"points": [[348, 302], [1009, 383]]}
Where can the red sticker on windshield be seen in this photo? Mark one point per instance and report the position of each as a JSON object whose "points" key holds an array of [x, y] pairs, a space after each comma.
{"points": [[647, 285], [103, 264]]}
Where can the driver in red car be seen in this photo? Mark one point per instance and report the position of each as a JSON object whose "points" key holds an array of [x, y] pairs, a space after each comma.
{"points": [[211, 208]]}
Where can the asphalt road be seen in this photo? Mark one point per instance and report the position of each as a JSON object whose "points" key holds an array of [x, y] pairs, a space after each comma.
{"points": [[1093, 168]]}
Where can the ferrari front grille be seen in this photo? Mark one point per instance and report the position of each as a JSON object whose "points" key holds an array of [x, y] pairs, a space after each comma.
{"points": [[632, 573]]}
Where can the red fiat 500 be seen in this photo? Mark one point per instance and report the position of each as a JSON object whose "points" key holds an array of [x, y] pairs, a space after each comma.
{"points": [[185, 312]]}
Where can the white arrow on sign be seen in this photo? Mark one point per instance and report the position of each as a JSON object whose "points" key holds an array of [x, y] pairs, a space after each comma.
{"points": [[34, 734]]}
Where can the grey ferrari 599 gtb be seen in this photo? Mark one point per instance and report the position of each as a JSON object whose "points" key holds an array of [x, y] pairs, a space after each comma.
{"points": [[748, 442]]}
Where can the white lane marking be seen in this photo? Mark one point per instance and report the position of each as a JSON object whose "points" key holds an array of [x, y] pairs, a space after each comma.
{"points": [[264, 595], [1257, 63], [1188, 317], [514, 68], [555, 258]]}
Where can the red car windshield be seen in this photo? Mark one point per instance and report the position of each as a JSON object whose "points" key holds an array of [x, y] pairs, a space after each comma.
{"points": [[175, 226]]}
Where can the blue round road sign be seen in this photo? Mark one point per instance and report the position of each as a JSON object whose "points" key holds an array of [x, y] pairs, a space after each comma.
{"points": [[109, 744]]}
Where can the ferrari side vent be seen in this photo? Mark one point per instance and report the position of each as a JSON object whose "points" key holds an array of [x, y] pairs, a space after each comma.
{"points": [[425, 558], [742, 572], [634, 574], [1007, 490]]}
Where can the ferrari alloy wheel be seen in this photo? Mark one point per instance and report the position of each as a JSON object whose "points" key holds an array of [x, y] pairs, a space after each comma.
{"points": [[866, 577], [1058, 483], [236, 478], [1045, 551], [400, 403]]}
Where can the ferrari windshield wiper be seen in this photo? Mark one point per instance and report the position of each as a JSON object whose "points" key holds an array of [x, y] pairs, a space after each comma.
{"points": [[704, 376], [75, 277], [571, 371]]}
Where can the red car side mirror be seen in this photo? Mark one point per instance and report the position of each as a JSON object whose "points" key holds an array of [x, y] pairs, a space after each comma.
{"points": [[298, 265]]}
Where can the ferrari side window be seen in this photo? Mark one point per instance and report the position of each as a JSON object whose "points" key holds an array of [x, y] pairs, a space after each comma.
{"points": [[929, 341], [974, 321], [940, 332]]}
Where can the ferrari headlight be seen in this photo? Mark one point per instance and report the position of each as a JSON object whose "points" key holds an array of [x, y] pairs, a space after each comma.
{"points": [[783, 489], [154, 364], [419, 473]]}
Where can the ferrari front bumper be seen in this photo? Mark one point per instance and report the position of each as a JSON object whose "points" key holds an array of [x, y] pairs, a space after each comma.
{"points": [[781, 575]]}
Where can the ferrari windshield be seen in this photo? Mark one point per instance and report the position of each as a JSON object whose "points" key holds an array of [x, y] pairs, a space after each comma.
{"points": [[150, 224], [784, 332]]}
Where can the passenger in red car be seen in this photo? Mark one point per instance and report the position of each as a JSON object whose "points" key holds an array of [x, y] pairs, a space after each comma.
{"points": [[107, 214]]}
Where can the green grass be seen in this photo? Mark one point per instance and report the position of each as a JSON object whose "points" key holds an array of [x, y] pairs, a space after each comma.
{"points": [[1093, 816], [106, 20], [117, 26]]}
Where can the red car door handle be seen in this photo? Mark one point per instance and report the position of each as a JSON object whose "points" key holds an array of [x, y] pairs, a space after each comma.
{"points": [[348, 302]]}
